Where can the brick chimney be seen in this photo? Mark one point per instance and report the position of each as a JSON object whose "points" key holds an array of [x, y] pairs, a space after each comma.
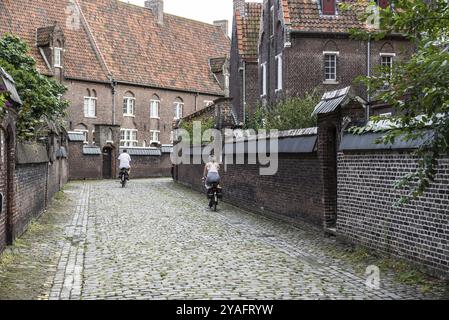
{"points": [[157, 6], [239, 5], [223, 24]]}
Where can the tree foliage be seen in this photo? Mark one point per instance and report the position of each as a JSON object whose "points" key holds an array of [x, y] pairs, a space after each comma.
{"points": [[206, 124], [40, 95], [292, 113], [418, 88]]}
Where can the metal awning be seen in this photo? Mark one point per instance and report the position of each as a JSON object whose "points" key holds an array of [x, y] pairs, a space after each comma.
{"points": [[167, 148], [90, 150], [141, 151], [352, 142], [299, 144], [331, 100], [75, 136], [10, 85]]}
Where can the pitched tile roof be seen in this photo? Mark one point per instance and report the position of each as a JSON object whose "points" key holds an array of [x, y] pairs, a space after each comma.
{"points": [[123, 40], [306, 15], [139, 50], [248, 30], [24, 17]]}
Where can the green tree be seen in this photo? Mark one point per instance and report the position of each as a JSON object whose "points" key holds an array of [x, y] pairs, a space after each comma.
{"points": [[206, 124], [292, 113], [418, 88], [41, 96]]}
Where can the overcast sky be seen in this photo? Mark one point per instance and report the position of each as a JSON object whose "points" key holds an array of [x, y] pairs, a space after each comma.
{"points": [[202, 10]]}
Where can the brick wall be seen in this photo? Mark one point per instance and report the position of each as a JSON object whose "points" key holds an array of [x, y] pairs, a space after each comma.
{"points": [[35, 180], [31, 197], [57, 176], [7, 175], [294, 192], [418, 231], [150, 166], [303, 61], [83, 166], [77, 90]]}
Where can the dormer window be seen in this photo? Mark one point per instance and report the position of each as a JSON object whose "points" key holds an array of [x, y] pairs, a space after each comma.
{"points": [[58, 58], [328, 7]]}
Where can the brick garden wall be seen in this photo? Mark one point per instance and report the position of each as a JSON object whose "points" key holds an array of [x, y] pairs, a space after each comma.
{"points": [[35, 182], [31, 198], [57, 176], [294, 192], [83, 166], [418, 231], [150, 166]]}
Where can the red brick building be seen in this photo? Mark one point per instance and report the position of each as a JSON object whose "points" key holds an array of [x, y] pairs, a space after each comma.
{"points": [[306, 44], [124, 65], [244, 88]]}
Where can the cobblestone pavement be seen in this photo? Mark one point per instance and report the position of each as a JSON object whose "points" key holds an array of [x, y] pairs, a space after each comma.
{"points": [[158, 240]]}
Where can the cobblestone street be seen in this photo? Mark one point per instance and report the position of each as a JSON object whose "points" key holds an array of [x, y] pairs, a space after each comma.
{"points": [[159, 240]]}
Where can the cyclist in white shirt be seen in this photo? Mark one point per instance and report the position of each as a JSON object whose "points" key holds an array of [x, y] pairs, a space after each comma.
{"points": [[125, 160]]}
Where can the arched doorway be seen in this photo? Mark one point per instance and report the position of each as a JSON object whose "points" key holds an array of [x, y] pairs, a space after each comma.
{"points": [[107, 162], [8, 197]]}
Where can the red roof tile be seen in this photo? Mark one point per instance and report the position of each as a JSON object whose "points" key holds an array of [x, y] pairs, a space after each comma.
{"points": [[24, 17], [248, 30], [306, 15], [129, 42]]}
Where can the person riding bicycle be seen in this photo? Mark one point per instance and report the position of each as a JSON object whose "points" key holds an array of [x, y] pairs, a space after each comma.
{"points": [[125, 161], [211, 172], [211, 176]]}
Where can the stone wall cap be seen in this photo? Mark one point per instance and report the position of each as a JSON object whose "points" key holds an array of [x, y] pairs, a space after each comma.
{"points": [[28, 152]]}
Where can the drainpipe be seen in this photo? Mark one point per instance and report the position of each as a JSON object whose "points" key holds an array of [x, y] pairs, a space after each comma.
{"points": [[368, 73], [196, 100], [113, 90], [244, 92]]}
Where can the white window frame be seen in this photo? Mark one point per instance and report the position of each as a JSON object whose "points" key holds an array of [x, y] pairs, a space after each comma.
{"points": [[152, 140], [158, 106], [273, 20], [91, 104], [130, 106], [279, 72], [335, 55], [264, 79], [58, 57], [391, 63], [179, 109], [126, 139], [85, 133]]}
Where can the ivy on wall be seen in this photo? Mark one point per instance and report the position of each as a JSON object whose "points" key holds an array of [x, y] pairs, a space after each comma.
{"points": [[41, 95]]}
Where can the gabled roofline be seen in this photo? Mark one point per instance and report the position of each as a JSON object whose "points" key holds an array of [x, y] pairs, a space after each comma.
{"points": [[93, 42]]}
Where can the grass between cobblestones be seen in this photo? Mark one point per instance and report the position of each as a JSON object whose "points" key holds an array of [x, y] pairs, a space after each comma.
{"points": [[402, 271], [27, 267]]}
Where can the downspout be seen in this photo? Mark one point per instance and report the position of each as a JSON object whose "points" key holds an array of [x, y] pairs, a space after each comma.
{"points": [[196, 100], [114, 91], [244, 92], [368, 73]]}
